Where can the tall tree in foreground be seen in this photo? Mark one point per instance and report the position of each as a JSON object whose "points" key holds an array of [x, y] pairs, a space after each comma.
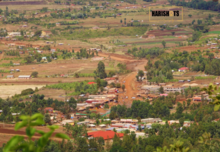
{"points": [[213, 92], [18, 143]]}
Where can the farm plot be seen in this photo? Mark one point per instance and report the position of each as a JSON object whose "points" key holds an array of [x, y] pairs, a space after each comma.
{"points": [[157, 33], [57, 67], [8, 91]]}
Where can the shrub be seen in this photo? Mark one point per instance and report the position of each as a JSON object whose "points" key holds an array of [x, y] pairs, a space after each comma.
{"points": [[27, 91], [34, 74]]}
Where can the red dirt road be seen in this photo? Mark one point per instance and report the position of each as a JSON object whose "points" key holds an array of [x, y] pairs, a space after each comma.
{"points": [[131, 84]]}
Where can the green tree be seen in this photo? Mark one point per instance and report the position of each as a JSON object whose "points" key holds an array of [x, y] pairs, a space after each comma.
{"points": [[214, 94], [106, 106], [190, 15], [100, 72], [173, 33], [76, 75], [123, 87], [181, 121], [73, 103], [28, 59], [188, 103], [47, 118], [169, 75], [164, 44], [97, 122], [184, 105], [161, 89], [178, 147], [179, 110], [39, 59], [98, 81], [38, 33], [149, 148], [140, 74], [34, 74]]}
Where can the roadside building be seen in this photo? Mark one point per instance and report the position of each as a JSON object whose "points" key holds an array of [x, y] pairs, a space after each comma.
{"points": [[151, 88], [170, 88], [16, 63], [151, 120], [10, 76], [45, 33], [24, 76], [64, 122], [12, 34]]}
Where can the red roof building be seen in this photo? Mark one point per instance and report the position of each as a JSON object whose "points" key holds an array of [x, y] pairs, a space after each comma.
{"points": [[105, 134], [48, 109], [197, 99], [163, 95], [183, 69], [91, 83]]}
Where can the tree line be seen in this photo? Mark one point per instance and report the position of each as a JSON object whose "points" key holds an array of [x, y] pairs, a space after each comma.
{"points": [[198, 4]]}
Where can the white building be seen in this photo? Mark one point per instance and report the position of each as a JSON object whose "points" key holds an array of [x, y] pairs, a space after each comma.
{"points": [[24, 76], [14, 33]]}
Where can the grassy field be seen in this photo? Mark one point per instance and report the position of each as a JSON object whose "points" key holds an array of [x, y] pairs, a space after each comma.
{"points": [[214, 32], [205, 77]]}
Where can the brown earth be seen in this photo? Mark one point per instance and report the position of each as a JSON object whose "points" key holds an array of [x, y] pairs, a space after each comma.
{"points": [[23, 3]]}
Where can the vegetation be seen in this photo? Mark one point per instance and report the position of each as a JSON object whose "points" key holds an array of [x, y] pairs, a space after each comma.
{"points": [[19, 143], [78, 87], [201, 4], [143, 53], [100, 72]]}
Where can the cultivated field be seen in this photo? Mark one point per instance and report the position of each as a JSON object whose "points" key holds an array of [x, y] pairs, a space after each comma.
{"points": [[10, 90]]}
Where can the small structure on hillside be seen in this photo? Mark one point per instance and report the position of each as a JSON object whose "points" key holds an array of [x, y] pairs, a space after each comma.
{"points": [[16, 63], [183, 69], [24, 76], [10, 76], [57, 24], [151, 36], [95, 28]]}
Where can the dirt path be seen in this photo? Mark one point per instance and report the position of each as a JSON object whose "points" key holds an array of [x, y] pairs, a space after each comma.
{"points": [[131, 84]]}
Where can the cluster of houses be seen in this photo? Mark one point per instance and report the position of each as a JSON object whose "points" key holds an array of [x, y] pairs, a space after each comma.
{"points": [[213, 45], [108, 130], [166, 88], [96, 101]]}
